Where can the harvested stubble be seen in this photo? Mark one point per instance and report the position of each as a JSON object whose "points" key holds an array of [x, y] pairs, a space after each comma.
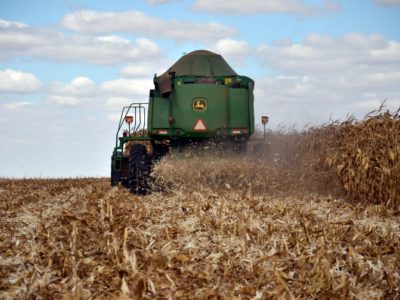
{"points": [[204, 239]]}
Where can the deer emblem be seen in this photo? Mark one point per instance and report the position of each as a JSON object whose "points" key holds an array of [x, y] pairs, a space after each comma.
{"points": [[199, 104]]}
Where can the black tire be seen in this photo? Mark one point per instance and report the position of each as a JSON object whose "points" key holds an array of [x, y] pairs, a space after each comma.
{"points": [[115, 175], [160, 150], [139, 169], [114, 178], [125, 183]]}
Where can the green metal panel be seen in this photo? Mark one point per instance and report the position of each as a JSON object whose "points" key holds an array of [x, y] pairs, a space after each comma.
{"points": [[227, 108], [238, 108], [150, 114], [206, 76], [251, 106], [160, 113], [214, 117]]}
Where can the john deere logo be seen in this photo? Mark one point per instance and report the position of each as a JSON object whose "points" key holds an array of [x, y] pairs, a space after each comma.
{"points": [[199, 104]]}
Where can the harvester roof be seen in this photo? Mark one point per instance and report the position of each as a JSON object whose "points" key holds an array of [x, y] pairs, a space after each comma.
{"points": [[201, 63], [197, 63]]}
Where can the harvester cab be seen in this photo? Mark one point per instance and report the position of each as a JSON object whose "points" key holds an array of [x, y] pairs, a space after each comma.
{"points": [[198, 99]]}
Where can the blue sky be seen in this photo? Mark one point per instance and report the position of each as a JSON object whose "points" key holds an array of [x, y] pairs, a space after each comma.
{"points": [[67, 67]]}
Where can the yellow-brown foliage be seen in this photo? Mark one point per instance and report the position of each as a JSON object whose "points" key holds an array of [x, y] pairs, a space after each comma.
{"points": [[363, 157]]}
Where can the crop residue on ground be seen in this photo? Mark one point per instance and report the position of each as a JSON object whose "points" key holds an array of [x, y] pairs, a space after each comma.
{"points": [[81, 238], [311, 215]]}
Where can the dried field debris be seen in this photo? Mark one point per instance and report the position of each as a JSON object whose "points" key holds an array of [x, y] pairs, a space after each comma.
{"points": [[272, 225], [82, 239]]}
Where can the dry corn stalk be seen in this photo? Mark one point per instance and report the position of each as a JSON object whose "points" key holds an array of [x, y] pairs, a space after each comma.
{"points": [[362, 156]]}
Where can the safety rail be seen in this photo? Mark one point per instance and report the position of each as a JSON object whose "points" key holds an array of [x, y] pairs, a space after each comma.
{"points": [[139, 119]]}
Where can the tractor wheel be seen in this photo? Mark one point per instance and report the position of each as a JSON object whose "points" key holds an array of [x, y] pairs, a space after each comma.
{"points": [[114, 178], [115, 175], [139, 169], [160, 150]]}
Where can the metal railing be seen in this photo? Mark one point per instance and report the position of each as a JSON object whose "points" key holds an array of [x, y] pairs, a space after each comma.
{"points": [[139, 123]]}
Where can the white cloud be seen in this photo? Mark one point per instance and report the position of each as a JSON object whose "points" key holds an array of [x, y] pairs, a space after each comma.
{"points": [[240, 7], [12, 81], [370, 103], [65, 100], [387, 2], [384, 78], [145, 69], [232, 50], [53, 45], [231, 47], [117, 102], [137, 70], [325, 76], [82, 82], [79, 86], [11, 24], [108, 95], [138, 89], [17, 105], [55, 140], [114, 117], [390, 52], [321, 54], [113, 39], [136, 22], [80, 91], [148, 46]]}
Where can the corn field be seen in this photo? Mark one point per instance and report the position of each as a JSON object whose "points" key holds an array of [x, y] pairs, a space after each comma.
{"points": [[363, 157], [305, 215]]}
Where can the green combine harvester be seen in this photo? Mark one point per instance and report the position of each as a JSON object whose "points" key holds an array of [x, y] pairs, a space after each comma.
{"points": [[199, 99]]}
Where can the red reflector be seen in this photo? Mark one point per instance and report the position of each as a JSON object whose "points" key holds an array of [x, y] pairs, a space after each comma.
{"points": [[128, 119], [162, 131]]}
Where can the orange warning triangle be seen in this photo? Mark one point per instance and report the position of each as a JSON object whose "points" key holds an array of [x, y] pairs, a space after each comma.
{"points": [[199, 126]]}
